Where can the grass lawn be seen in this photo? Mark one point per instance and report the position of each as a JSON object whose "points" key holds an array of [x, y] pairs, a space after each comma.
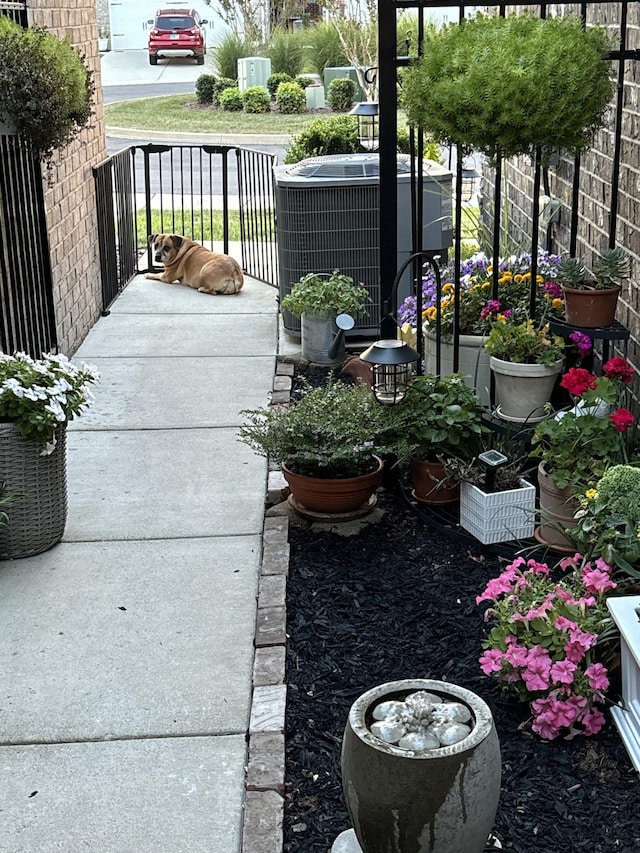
{"points": [[198, 225], [182, 113]]}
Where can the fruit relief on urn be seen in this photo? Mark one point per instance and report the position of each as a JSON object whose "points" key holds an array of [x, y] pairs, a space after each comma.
{"points": [[420, 721]]}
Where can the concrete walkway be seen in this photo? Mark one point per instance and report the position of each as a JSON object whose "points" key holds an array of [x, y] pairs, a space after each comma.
{"points": [[127, 649]]}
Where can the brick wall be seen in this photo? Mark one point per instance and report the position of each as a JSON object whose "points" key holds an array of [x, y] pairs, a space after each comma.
{"points": [[594, 201], [70, 200]]}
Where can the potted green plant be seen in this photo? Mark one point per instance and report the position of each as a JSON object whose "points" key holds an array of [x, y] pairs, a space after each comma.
{"points": [[46, 88], [318, 298], [38, 398], [525, 359], [440, 417], [326, 442], [591, 299], [576, 446], [508, 85]]}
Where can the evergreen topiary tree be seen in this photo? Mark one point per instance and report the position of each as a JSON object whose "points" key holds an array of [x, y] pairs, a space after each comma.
{"points": [[290, 98], [340, 94]]}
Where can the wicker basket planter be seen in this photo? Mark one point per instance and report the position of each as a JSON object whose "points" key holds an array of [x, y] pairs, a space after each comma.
{"points": [[38, 515], [498, 516]]}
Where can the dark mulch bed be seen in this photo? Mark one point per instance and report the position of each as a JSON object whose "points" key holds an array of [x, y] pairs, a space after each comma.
{"points": [[398, 600]]}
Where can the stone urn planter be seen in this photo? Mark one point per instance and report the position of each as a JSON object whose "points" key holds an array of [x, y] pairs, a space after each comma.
{"points": [[434, 788], [523, 390]]}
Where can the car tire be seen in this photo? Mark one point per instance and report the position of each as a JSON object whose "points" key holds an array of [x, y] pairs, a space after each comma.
{"points": [[153, 60], [200, 59]]}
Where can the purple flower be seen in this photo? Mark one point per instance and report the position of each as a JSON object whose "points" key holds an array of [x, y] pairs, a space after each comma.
{"points": [[583, 342]]}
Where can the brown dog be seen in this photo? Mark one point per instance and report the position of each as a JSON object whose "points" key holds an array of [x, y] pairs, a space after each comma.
{"points": [[191, 264]]}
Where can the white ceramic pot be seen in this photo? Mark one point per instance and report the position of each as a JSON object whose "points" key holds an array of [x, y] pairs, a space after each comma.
{"points": [[473, 361], [522, 390]]}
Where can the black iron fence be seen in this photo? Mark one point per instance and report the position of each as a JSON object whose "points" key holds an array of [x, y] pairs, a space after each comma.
{"points": [[215, 194], [27, 320], [569, 180]]}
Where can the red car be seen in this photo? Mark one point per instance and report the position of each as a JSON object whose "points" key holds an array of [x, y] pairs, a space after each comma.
{"points": [[177, 32]]}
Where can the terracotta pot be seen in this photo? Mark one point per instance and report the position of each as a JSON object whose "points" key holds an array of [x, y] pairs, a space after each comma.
{"points": [[428, 486], [333, 495], [590, 309], [523, 389], [557, 508], [440, 800]]}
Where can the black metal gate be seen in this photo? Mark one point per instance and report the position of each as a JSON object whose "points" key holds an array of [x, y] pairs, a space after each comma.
{"points": [[27, 317], [215, 194]]}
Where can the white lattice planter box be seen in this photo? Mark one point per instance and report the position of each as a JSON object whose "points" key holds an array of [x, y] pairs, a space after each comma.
{"points": [[498, 516], [626, 715]]}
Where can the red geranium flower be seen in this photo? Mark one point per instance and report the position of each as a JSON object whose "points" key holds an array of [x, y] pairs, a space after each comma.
{"points": [[577, 380], [618, 368], [622, 419]]}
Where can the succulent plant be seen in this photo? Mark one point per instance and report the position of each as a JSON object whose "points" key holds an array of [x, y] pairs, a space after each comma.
{"points": [[571, 272], [611, 267]]}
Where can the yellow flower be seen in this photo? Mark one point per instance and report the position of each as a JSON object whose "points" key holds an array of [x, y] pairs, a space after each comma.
{"points": [[448, 288], [501, 318], [539, 279], [430, 313], [518, 278], [591, 494], [507, 275], [485, 285], [557, 303]]}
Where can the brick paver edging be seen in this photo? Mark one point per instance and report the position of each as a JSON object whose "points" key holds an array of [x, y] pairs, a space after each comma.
{"points": [[264, 784]]}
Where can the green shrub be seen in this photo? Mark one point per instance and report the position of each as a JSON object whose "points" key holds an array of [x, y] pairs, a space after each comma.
{"points": [[335, 135], [205, 88], [303, 81], [431, 148], [231, 100], [222, 84], [290, 98], [256, 100], [229, 49], [286, 51], [274, 81], [324, 48], [340, 94]]}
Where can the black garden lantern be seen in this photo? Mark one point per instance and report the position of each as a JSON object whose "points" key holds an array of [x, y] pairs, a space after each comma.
{"points": [[367, 114], [391, 363]]}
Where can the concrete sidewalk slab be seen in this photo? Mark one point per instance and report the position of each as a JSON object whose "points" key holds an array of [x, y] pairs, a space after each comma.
{"points": [[103, 641], [145, 296], [163, 483], [179, 795], [132, 336], [169, 393]]}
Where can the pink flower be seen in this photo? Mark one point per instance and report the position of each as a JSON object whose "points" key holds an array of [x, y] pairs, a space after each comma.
{"points": [[570, 562], [562, 672], [541, 611], [597, 675], [536, 673], [538, 568], [579, 644], [603, 566], [562, 623], [498, 586], [516, 655], [491, 661], [596, 580], [593, 721], [545, 726]]}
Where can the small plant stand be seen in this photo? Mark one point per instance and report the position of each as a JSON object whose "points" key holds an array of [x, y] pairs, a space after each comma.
{"points": [[625, 611]]}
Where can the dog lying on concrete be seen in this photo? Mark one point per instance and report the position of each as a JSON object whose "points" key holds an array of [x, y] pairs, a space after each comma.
{"points": [[191, 264]]}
